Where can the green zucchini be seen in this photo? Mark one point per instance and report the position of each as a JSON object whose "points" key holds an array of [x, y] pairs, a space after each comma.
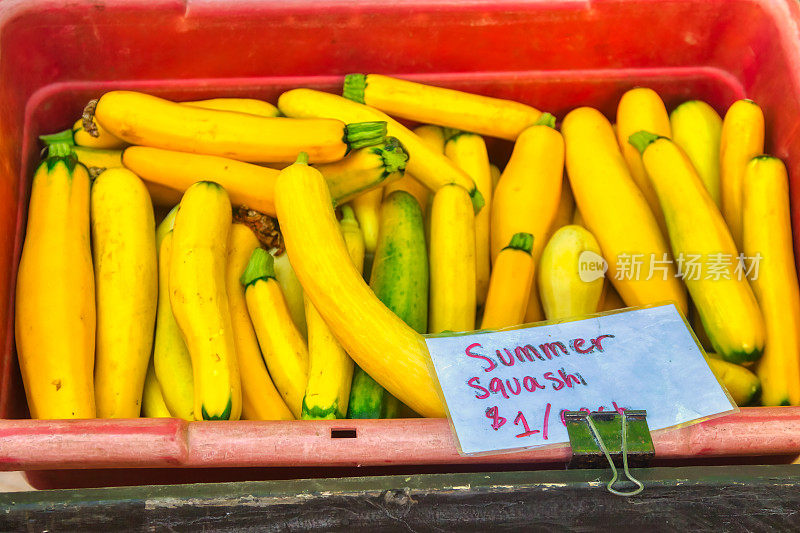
{"points": [[399, 278]]}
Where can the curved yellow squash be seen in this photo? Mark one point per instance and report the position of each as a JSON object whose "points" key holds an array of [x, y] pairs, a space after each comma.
{"points": [[55, 306], [200, 302], [723, 297], [147, 120], [285, 352], [330, 369], [484, 115], [246, 184], [106, 140], [742, 139], [260, 398], [616, 212], [642, 109], [378, 340]]}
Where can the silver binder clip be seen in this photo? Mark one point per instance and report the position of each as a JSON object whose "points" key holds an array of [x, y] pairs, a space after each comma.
{"points": [[610, 434]]}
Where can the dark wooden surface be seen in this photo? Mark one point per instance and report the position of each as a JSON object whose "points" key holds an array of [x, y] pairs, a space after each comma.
{"points": [[742, 498]]}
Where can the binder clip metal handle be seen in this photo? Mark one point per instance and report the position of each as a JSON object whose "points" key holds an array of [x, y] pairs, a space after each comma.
{"points": [[606, 434]]}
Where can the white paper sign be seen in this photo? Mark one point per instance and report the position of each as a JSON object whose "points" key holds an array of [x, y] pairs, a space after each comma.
{"points": [[508, 389]]}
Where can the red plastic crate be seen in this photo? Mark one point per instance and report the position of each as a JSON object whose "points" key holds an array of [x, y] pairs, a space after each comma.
{"points": [[55, 56]]}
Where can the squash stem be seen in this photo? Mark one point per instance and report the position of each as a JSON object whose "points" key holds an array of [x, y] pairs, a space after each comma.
{"points": [[60, 138], [61, 153], [354, 87], [642, 139], [260, 267], [348, 215], [59, 150], [521, 241], [393, 155], [477, 199], [546, 120], [362, 134]]}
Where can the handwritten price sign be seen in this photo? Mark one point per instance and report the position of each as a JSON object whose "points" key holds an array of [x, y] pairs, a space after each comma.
{"points": [[510, 389]]}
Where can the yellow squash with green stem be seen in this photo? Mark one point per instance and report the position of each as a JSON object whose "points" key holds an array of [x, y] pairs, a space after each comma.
{"points": [[378, 340], [260, 398], [147, 120], [484, 115], [285, 352], [200, 301], [509, 287], [723, 297], [55, 304], [105, 140], [169, 173], [427, 165], [365, 170], [330, 372]]}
